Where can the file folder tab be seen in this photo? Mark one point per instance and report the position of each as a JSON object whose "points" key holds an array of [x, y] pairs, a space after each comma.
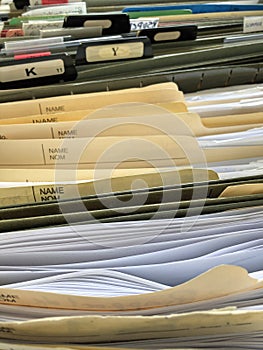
{"points": [[36, 71], [173, 33], [114, 50], [111, 24]]}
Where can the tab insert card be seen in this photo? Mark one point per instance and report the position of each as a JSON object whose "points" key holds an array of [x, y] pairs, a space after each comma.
{"points": [[113, 50], [32, 71]]}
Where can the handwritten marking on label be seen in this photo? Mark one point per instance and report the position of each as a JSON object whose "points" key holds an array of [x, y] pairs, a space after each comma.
{"points": [[253, 24], [144, 23]]}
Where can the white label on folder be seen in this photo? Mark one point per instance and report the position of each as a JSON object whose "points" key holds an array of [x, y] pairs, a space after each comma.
{"points": [[33, 27], [24, 44], [74, 8], [253, 24], [31, 70], [114, 52], [144, 23]]}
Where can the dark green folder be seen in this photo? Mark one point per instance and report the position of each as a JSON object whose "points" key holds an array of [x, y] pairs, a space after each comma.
{"points": [[190, 80], [146, 212], [103, 207]]}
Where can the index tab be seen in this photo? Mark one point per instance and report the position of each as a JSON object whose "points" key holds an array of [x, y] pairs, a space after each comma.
{"points": [[74, 33], [253, 24], [242, 190], [73, 8], [36, 71], [144, 23], [172, 33], [33, 27], [111, 23], [32, 43], [111, 50]]}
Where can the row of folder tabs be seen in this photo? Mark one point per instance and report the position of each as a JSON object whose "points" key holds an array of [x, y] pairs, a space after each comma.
{"points": [[45, 45], [131, 175]]}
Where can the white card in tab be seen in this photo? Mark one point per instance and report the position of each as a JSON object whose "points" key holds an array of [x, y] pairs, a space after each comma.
{"points": [[34, 27], [144, 23], [253, 24], [79, 8], [36, 43], [31, 70], [111, 52]]}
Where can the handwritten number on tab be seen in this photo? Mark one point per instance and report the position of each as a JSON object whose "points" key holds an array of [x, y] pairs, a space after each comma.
{"points": [[144, 24]]}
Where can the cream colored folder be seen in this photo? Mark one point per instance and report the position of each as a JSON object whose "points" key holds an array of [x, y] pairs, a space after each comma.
{"points": [[30, 193], [66, 175], [109, 112], [122, 152], [113, 122], [166, 92], [242, 190], [215, 283]]}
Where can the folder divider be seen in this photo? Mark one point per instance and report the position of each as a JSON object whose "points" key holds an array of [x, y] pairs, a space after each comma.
{"points": [[188, 81]]}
